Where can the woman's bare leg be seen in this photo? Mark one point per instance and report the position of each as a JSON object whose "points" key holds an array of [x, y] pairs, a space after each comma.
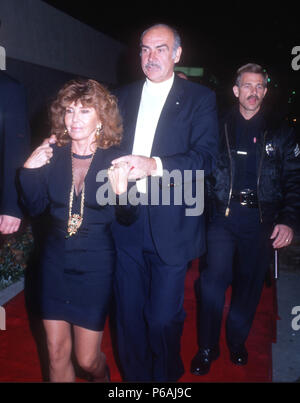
{"points": [[59, 342], [88, 353]]}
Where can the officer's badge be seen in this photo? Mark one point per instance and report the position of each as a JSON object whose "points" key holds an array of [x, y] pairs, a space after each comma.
{"points": [[269, 149]]}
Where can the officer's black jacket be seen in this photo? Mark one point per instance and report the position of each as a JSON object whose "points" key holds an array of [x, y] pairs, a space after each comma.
{"points": [[278, 170]]}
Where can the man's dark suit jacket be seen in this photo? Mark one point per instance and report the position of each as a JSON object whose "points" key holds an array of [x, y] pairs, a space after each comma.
{"points": [[185, 139], [14, 142]]}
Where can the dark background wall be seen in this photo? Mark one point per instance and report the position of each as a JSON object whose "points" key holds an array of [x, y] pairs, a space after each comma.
{"points": [[45, 48], [41, 85]]}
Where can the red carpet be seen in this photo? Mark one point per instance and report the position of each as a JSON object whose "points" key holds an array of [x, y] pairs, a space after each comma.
{"points": [[20, 353]]}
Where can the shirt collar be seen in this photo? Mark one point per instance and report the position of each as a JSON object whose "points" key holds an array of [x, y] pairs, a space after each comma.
{"points": [[159, 88]]}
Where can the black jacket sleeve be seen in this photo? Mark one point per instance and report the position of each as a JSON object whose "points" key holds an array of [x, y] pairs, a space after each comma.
{"points": [[290, 180], [15, 143], [33, 189]]}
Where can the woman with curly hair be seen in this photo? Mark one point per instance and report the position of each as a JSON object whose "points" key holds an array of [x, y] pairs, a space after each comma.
{"points": [[78, 256]]}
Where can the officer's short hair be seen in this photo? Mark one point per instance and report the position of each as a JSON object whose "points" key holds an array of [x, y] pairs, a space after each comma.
{"points": [[251, 68]]}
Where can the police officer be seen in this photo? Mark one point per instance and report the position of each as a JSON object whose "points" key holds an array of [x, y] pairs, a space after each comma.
{"points": [[255, 194]]}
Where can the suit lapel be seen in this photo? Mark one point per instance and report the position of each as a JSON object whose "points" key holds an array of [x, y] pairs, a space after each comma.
{"points": [[169, 112], [131, 110]]}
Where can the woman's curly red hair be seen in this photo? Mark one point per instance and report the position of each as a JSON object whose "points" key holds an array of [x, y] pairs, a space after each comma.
{"points": [[91, 94]]}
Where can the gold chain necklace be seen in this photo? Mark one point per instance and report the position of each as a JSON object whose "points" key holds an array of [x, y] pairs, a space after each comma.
{"points": [[75, 220]]}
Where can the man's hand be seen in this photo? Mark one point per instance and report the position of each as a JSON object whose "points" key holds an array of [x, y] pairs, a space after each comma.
{"points": [[282, 235], [139, 166], [9, 225]]}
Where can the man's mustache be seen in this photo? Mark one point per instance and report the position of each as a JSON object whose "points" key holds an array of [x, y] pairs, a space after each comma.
{"points": [[152, 64], [253, 96]]}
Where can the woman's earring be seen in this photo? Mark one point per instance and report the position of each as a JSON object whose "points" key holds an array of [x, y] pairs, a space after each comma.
{"points": [[98, 131], [66, 133]]}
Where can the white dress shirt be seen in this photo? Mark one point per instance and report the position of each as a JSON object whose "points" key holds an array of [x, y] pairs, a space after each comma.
{"points": [[153, 99]]}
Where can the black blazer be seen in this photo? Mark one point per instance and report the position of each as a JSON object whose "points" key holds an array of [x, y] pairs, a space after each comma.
{"points": [[14, 142], [185, 139]]}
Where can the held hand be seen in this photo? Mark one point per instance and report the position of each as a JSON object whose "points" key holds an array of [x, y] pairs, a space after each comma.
{"points": [[282, 235], [140, 166], [40, 156], [118, 177], [9, 225]]}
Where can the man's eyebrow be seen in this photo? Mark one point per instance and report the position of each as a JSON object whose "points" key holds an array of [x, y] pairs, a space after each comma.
{"points": [[249, 83], [164, 45], [156, 47]]}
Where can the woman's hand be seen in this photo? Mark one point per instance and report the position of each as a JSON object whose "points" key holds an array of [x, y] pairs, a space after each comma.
{"points": [[140, 166], [41, 155], [118, 177]]}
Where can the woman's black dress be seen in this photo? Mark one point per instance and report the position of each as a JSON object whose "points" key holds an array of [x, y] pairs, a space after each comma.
{"points": [[75, 274]]}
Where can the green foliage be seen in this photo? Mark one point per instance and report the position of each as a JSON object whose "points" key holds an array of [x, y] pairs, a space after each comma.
{"points": [[14, 254]]}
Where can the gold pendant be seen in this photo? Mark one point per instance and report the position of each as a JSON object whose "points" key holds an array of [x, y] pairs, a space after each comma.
{"points": [[74, 223]]}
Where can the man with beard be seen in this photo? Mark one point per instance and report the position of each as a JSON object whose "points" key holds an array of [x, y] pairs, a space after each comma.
{"points": [[254, 193], [169, 124]]}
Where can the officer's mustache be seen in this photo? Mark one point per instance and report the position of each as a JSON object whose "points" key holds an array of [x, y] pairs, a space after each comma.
{"points": [[253, 96]]}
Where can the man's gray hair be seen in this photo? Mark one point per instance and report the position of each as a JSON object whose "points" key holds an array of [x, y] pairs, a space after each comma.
{"points": [[177, 39], [251, 68]]}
